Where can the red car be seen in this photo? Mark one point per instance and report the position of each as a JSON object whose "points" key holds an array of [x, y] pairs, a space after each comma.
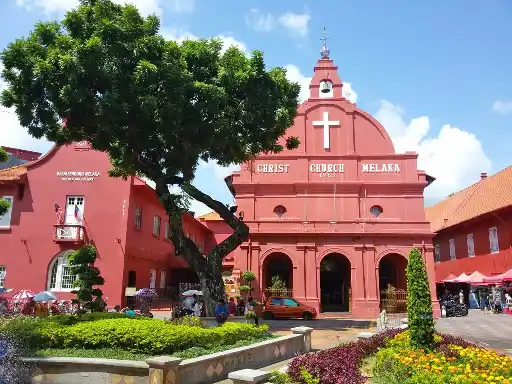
{"points": [[286, 307]]}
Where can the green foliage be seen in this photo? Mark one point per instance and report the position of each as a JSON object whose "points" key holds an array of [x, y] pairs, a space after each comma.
{"points": [[148, 336], [307, 377], [102, 353], [191, 321], [81, 263], [419, 303], [244, 288], [277, 283], [4, 156], [156, 107], [277, 377], [4, 206], [248, 276], [251, 315]]}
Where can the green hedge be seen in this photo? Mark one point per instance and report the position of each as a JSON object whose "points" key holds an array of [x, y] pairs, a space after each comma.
{"points": [[147, 336]]}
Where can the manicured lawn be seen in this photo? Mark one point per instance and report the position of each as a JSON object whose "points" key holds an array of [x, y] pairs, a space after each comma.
{"points": [[115, 336]]}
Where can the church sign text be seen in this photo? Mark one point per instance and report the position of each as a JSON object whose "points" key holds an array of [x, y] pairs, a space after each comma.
{"points": [[327, 170], [78, 176], [272, 168], [381, 168]]}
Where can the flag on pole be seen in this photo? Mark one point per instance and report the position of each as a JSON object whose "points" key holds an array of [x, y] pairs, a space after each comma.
{"points": [[58, 214], [78, 216]]}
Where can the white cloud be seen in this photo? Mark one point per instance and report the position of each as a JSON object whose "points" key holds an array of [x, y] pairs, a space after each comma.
{"points": [[180, 35], [181, 6], [296, 23], [502, 107], [260, 21], [146, 7], [454, 157], [293, 73], [12, 134]]}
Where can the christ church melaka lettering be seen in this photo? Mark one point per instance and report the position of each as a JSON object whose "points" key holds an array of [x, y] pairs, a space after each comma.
{"points": [[272, 168], [380, 168], [78, 176], [327, 170]]}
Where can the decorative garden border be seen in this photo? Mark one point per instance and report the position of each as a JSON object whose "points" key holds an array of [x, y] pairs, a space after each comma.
{"points": [[170, 370]]}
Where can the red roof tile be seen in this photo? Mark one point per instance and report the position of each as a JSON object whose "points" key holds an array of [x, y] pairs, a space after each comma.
{"points": [[488, 195]]}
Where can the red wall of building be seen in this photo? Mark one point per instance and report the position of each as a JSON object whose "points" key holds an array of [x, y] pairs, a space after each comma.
{"points": [[483, 261], [28, 247]]}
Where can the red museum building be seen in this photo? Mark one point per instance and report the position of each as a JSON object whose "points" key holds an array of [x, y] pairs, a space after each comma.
{"points": [[474, 228], [335, 218]]}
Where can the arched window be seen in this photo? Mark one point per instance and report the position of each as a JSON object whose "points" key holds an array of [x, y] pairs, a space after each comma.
{"points": [[59, 276], [279, 210], [376, 210]]}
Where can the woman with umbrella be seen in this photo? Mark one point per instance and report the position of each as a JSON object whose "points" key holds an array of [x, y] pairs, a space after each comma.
{"points": [[146, 296], [41, 299]]}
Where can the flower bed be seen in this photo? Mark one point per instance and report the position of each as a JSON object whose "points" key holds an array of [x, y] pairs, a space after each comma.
{"points": [[453, 361], [100, 334], [388, 358]]}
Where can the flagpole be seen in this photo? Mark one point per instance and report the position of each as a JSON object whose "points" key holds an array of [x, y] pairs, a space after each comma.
{"points": [[334, 203]]}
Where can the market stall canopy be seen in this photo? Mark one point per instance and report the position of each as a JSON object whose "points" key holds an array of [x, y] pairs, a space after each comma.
{"points": [[463, 278], [498, 279], [477, 278], [448, 279]]}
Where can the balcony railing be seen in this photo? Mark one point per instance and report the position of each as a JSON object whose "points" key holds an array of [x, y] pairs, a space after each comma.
{"points": [[69, 233]]}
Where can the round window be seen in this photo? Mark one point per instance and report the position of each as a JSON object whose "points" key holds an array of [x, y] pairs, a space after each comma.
{"points": [[279, 210], [376, 210]]}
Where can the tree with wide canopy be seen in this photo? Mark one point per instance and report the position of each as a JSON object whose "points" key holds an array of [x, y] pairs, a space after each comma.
{"points": [[157, 107]]}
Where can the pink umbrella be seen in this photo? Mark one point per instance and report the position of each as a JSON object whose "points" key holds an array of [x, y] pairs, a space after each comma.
{"points": [[448, 279], [24, 295], [507, 276]]}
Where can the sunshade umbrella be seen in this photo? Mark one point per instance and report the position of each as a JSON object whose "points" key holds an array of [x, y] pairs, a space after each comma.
{"points": [[498, 279], [192, 292], [145, 293], [45, 296], [24, 295]]}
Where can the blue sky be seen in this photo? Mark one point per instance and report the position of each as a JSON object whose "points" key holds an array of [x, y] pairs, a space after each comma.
{"points": [[436, 74]]}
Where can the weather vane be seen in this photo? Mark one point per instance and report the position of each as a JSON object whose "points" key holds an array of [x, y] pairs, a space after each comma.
{"points": [[325, 51]]}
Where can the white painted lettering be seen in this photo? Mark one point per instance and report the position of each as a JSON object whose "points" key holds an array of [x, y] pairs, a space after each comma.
{"points": [[380, 168], [272, 168]]}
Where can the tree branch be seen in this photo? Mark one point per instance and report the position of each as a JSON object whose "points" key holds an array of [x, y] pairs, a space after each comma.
{"points": [[241, 230]]}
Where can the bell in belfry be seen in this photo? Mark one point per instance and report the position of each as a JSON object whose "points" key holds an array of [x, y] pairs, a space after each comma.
{"points": [[325, 87]]}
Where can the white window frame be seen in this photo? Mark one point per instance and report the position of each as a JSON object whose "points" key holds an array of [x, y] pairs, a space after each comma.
{"points": [[437, 253], [62, 263], [470, 240], [451, 243], [138, 217], [3, 269], [163, 277], [167, 231], [494, 230], [152, 278], [157, 223], [8, 214]]}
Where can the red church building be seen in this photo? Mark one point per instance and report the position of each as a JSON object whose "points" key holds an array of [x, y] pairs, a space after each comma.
{"points": [[65, 199], [336, 218], [474, 228]]}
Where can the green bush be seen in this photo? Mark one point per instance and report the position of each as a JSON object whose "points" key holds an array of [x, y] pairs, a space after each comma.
{"points": [[419, 303], [148, 336], [191, 321]]}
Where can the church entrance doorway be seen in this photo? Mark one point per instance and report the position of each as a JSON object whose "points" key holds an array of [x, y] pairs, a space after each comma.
{"points": [[393, 283], [278, 275], [335, 288]]}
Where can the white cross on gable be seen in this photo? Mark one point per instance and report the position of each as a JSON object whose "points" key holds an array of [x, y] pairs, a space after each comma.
{"points": [[326, 124]]}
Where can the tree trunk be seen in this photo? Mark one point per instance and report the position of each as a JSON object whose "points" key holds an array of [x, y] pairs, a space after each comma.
{"points": [[208, 267]]}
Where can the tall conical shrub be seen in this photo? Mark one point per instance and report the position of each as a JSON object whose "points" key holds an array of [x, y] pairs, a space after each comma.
{"points": [[419, 303]]}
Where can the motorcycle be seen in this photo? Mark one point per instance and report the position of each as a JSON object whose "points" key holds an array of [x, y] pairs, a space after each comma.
{"points": [[451, 307]]}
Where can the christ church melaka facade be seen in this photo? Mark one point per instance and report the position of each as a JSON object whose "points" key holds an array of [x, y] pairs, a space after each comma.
{"points": [[336, 218]]}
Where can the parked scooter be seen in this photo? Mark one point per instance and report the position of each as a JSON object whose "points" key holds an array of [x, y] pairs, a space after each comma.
{"points": [[450, 306]]}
